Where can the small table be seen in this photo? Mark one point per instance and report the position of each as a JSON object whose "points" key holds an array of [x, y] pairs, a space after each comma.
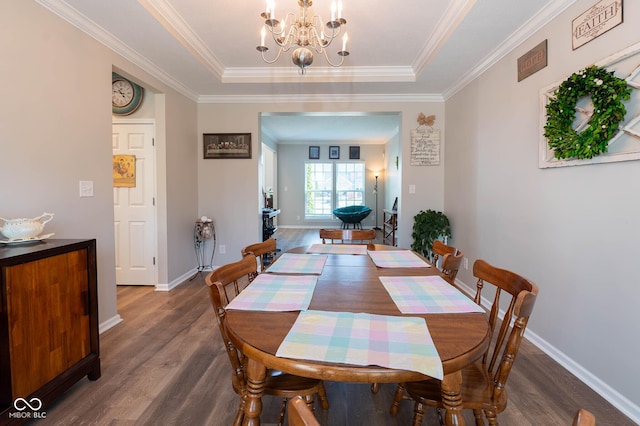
{"points": [[350, 283]]}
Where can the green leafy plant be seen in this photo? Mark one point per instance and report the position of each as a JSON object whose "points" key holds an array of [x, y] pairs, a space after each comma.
{"points": [[606, 92], [429, 226]]}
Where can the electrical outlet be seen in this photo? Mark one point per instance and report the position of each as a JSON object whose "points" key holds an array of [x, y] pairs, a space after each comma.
{"points": [[465, 262], [223, 249]]}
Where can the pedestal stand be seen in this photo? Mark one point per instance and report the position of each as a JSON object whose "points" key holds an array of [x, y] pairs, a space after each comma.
{"points": [[204, 240]]}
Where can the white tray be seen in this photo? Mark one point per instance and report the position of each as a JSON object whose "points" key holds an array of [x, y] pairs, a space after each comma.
{"points": [[27, 240]]}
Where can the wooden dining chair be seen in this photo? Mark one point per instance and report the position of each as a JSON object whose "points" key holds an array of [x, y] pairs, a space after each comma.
{"points": [[224, 284], [483, 382], [264, 253], [300, 414], [451, 258], [584, 418], [348, 236]]}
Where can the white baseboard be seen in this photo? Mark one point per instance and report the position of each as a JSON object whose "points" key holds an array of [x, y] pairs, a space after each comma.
{"points": [[619, 401], [175, 283], [111, 322]]}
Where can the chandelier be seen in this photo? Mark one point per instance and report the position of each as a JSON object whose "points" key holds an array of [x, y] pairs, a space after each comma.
{"points": [[305, 32]]}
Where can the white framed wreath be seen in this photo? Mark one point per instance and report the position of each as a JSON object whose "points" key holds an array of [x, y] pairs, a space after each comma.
{"points": [[607, 93]]}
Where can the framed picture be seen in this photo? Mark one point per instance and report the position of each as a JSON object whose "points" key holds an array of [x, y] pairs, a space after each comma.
{"points": [[124, 171], [314, 153], [354, 153], [226, 145], [334, 152]]}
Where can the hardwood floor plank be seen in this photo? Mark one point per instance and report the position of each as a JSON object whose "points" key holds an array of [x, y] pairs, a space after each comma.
{"points": [[165, 364]]}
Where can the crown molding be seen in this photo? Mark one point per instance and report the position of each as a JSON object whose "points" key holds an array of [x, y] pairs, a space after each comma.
{"points": [[319, 75], [171, 20], [87, 26], [452, 17], [322, 98], [546, 15], [271, 75]]}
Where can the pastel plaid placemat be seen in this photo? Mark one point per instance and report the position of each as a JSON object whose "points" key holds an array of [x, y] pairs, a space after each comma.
{"points": [[338, 248], [397, 259], [290, 263], [427, 295], [276, 293], [402, 343]]}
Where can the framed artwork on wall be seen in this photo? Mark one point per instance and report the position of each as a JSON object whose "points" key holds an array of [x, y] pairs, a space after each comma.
{"points": [[314, 153], [334, 152], [354, 153], [226, 145]]}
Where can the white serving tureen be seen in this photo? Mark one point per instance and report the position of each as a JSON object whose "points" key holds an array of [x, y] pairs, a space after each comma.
{"points": [[24, 229]]}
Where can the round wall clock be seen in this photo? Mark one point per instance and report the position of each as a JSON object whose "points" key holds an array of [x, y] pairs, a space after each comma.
{"points": [[126, 96]]}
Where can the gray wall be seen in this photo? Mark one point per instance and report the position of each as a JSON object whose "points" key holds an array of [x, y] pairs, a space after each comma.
{"points": [[573, 230]]}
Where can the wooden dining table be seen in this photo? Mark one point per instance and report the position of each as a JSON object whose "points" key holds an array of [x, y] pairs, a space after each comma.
{"points": [[350, 283]]}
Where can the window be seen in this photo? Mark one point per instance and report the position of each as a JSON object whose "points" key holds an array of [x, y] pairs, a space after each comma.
{"points": [[349, 184], [332, 185], [318, 184]]}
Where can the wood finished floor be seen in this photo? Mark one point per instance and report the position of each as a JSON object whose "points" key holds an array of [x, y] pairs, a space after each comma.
{"points": [[165, 365]]}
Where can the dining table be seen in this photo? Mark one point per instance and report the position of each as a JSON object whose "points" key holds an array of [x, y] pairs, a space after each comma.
{"points": [[352, 283]]}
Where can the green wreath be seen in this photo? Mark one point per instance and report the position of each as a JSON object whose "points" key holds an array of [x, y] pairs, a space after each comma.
{"points": [[606, 92]]}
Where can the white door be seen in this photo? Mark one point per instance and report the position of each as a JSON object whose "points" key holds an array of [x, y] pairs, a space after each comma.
{"points": [[134, 209]]}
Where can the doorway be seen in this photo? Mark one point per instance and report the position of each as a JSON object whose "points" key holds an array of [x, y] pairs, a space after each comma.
{"points": [[135, 227]]}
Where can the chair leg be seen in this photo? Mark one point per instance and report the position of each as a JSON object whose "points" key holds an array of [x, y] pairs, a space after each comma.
{"points": [[240, 414], [322, 396], [239, 417], [283, 411], [308, 399], [478, 416], [418, 413], [397, 397], [375, 387], [492, 417]]}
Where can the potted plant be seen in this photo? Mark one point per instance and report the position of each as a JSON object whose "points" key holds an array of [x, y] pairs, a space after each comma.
{"points": [[429, 226]]}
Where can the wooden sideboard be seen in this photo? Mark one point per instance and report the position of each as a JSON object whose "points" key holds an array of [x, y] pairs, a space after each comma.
{"points": [[48, 322]]}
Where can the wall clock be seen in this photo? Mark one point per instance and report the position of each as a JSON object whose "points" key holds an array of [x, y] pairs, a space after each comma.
{"points": [[126, 96]]}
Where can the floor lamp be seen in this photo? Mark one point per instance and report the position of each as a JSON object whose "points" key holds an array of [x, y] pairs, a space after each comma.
{"points": [[375, 191]]}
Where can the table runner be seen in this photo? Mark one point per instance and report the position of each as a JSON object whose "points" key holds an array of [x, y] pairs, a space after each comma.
{"points": [[276, 293], [338, 248], [363, 339], [397, 259], [290, 263], [427, 295]]}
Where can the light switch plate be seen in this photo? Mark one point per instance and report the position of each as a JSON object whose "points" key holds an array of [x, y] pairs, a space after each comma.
{"points": [[86, 188]]}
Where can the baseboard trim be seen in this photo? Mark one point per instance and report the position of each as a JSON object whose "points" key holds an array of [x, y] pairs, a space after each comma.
{"points": [[614, 397], [175, 283], [110, 323]]}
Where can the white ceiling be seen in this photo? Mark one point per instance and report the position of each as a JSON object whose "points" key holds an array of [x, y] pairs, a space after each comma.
{"points": [[409, 50]]}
